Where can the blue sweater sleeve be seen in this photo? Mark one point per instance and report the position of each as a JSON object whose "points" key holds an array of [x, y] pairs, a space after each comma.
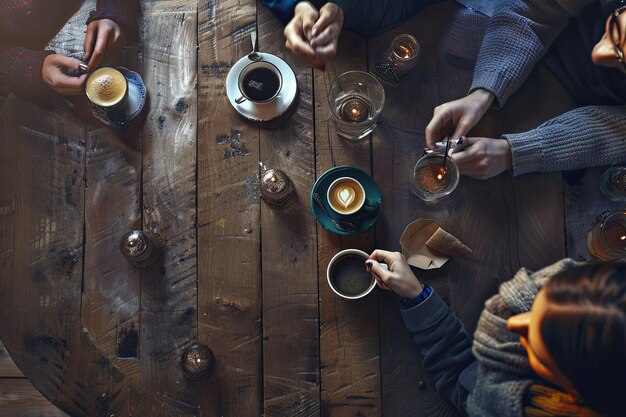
{"points": [[445, 346]]}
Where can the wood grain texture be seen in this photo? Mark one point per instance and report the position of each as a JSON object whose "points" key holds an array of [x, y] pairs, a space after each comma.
{"points": [[291, 382], [168, 291], [18, 398], [48, 197], [8, 369], [229, 234], [111, 290], [349, 343]]}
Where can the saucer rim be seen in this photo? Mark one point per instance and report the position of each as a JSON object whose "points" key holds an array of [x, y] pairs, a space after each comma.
{"points": [[275, 60], [127, 74], [317, 212]]}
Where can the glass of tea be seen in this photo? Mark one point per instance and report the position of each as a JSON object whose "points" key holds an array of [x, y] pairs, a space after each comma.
{"points": [[356, 101], [430, 180]]}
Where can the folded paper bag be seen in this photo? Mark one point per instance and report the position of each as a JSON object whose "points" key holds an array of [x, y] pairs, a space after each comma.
{"points": [[426, 245]]}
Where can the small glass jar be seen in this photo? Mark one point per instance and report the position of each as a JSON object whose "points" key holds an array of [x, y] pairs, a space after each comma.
{"points": [[613, 182], [430, 180], [394, 63], [141, 248], [607, 240]]}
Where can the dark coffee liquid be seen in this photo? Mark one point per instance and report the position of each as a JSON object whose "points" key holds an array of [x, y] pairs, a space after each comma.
{"points": [[260, 84], [349, 276]]}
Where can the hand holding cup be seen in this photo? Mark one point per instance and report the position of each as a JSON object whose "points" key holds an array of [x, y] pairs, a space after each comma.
{"points": [[399, 278]]}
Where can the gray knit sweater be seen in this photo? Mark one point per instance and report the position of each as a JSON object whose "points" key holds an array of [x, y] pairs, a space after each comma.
{"points": [[519, 34], [498, 388]]}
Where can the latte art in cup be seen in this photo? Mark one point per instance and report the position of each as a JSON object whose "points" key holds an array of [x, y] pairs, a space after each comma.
{"points": [[106, 87], [346, 195]]}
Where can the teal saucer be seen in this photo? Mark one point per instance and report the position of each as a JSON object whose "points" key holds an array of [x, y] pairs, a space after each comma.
{"points": [[364, 218]]}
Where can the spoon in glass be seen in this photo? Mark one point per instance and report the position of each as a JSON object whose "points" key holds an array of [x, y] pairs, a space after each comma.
{"points": [[342, 225]]}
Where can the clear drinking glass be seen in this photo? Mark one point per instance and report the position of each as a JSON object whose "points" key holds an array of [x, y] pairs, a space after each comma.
{"points": [[430, 181], [394, 63], [613, 182], [607, 240], [356, 101]]}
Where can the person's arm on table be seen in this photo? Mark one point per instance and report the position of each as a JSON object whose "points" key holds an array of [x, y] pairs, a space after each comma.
{"points": [[518, 35], [440, 336]]}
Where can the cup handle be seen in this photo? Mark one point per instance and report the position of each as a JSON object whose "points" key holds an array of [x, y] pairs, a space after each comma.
{"points": [[240, 100]]}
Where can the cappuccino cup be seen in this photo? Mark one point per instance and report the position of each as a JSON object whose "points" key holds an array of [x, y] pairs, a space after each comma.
{"points": [[107, 87], [347, 276], [259, 82], [345, 196]]}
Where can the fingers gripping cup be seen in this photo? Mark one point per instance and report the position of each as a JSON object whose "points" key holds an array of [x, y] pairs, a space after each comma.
{"points": [[107, 87], [259, 82], [346, 196], [347, 276]]}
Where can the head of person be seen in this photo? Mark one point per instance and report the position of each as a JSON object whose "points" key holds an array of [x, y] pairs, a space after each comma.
{"points": [[575, 335], [609, 51]]}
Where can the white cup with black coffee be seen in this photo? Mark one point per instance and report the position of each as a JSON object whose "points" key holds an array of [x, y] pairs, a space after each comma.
{"points": [[345, 196], [259, 82], [347, 275]]}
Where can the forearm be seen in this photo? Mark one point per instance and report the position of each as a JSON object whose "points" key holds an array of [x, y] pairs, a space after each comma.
{"points": [[583, 137], [445, 346], [123, 12], [20, 71], [518, 35]]}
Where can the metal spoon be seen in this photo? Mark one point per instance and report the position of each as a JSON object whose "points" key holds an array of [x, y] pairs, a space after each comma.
{"points": [[342, 225], [254, 55]]}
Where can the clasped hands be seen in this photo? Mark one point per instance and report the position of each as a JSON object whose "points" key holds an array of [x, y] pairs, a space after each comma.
{"points": [[103, 38]]}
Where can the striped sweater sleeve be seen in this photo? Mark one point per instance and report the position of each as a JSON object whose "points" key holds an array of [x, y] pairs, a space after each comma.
{"points": [[123, 12], [20, 72]]}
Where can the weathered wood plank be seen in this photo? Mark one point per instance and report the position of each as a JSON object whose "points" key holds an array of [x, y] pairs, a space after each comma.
{"points": [[18, 398], [349, 339], [290, 302], [7, 366], [229, 234], [48, 198], [168, 292], [111, 289]]}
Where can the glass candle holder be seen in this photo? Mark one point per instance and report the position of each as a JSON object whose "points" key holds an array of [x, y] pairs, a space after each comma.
{"points": [[430, 180], [197, 362], [356, 100], [394, 63], [141, 248], [613, 182], [276, 187], [607, 240]]}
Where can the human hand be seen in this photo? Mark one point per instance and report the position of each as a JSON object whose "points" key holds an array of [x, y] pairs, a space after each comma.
{"points": [[483, 158], [399, 278], [313, 35], [55, 74], [463, 113], [103, 37]]}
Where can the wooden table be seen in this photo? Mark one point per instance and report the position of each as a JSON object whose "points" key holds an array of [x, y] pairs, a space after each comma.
{"points": [[100, 338]]}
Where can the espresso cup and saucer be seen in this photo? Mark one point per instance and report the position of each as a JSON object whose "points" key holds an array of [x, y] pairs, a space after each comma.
{"points": [[346, 200], [115, 95], [261, 88]]}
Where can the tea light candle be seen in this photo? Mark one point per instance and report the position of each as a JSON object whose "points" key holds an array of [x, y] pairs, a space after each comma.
{"points": [[619, 180], [404, 47], [140, 248], [355, 110], [197, 362], [276, 187]]}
